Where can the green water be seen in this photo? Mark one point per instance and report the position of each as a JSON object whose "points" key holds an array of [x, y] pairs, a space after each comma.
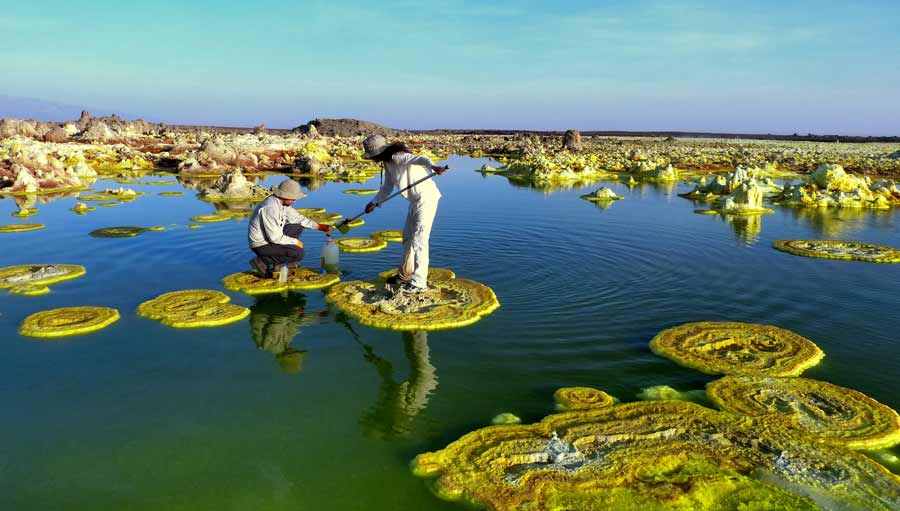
{"points": [[143, 417]]}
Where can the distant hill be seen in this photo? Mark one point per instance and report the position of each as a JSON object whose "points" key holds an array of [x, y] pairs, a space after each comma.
{"points": [[346, 128], [18, 107]]}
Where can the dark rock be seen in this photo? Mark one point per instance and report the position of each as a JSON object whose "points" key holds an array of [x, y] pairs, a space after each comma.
{"points": [[306, 165], [83, 121], [572, 140], [57, 135], [345, 128]]}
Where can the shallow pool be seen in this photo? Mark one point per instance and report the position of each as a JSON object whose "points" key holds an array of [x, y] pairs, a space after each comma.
{"points": [[295, 408]]}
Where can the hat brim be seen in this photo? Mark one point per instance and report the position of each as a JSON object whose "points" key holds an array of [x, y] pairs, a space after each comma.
{"points": [[289, 196], [368, 156]]}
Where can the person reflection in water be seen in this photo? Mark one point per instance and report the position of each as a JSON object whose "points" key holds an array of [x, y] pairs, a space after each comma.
{"points": [[274, 322], [399, 404]]}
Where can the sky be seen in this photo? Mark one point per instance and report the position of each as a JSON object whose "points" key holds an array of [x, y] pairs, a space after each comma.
{"points": [[749, 67]]}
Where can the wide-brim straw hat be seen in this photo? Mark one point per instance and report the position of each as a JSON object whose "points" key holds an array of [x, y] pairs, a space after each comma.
{"points": [[288, 189], [373, 146]]}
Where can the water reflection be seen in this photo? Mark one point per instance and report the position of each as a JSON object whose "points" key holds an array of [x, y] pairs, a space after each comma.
{"points": [[839, 222], [274, 322], [399, 404], [747, 228], [641, 188], [31, 200], [525, 182]]}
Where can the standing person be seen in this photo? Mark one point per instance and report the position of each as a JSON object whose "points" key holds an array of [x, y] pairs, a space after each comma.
{"points": [[402, 169], [275, 229]]}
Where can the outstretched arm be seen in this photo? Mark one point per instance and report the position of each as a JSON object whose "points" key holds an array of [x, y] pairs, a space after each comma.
{"points": [[386, 188]]}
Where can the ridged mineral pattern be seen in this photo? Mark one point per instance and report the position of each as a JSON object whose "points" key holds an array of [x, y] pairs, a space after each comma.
{"points": [[837, 249], [827, 412], [299, 279], [193, 308], [737, 349], [68, 321]]}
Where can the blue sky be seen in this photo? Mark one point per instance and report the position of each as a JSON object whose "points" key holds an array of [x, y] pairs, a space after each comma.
{"points": [[762, 66]]}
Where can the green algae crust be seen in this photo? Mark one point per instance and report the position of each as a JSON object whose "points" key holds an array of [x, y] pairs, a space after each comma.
{"points": [[825, 411], [193, 308], [837, 249], [68, 321], [671, 455], [446, 304], [299, 279], [737, 349]]}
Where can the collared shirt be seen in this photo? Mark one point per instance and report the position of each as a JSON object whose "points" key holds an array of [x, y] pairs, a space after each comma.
{"points": [[268, 221], [403, 170]]}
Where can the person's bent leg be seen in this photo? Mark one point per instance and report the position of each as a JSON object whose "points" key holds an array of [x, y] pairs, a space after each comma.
{"points": [[292, 230], [275, 255], [293, 254], [424, 219]]}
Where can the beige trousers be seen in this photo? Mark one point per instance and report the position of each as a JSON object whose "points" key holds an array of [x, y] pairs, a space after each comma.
{"points": [[416, 234]]}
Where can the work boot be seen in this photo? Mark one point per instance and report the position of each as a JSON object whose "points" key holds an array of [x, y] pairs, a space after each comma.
{"points": [[257, 264], [396, 280], [408, 288]]}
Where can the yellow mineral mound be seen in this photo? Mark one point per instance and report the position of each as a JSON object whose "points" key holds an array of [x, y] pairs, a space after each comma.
{"points": [[310, 211], [506, 418], [20, 227], [654, 455], [361, 244], [581, 398], [193, 308], [299, 279], [602, 194], [446, 304], [830, 413], [82, 208], [837, 249], [389, 235], [324, 218], [68, 321], [33, 279], [207, 219], [737, 349], [29, 290]]}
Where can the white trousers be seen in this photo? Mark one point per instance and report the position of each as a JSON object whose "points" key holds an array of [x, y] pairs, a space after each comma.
{"points": [[416, 234]]}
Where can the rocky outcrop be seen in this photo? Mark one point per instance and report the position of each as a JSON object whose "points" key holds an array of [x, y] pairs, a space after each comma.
{"points": [[57, 135], [344, 128], [97, 131], [233, 186], [711, 188], [745, 199], [830, 186], [218, 151], [572, 141]]}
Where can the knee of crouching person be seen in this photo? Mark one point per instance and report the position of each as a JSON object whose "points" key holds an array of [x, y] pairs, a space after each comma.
{"points": [[295, 253]]}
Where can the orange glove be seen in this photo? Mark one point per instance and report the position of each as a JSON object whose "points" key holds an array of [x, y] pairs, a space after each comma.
{"points": [[299, 243]]}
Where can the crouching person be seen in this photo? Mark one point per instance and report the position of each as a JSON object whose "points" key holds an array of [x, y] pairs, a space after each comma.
{"points": [[275, 229]]}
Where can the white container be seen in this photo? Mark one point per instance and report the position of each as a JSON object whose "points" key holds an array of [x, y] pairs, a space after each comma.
{"points": [[330, 254], [283, 274]]}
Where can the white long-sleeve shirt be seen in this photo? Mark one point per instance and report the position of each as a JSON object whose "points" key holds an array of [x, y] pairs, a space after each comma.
{"points": [[268, 221], [403, 170]]}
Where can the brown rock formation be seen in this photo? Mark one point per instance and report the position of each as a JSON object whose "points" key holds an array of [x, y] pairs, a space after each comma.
{"points": [[572, 140], [344, 128]]}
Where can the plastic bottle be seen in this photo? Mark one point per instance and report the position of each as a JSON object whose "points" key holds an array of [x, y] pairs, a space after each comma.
{"points": [[330, 256], [283, 274]]}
